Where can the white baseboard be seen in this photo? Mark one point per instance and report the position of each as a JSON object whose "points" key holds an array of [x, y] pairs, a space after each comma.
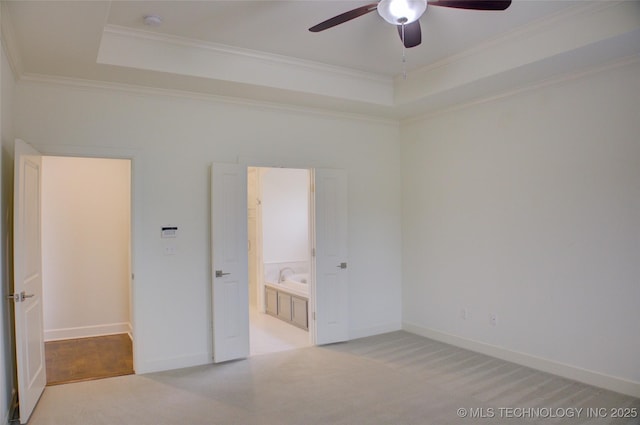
{"points": [[375, 330], [575, 373], [159, 365], [87, 331]]}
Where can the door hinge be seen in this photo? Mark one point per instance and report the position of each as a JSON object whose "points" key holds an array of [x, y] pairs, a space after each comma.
{"points": [[313, 316], [313, 252], [133, 276]]}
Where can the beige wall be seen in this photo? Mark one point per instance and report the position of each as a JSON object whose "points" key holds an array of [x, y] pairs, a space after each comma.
{"points": [[285, 215], [173, 141], [528, 207], [86, 212]]}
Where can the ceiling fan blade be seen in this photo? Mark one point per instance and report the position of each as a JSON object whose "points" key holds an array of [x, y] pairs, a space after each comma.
{"points": [[344, 17], [472, 4], [412, 34]]}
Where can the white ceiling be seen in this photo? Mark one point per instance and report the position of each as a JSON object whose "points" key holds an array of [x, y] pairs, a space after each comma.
{"points": [[262, 50]]}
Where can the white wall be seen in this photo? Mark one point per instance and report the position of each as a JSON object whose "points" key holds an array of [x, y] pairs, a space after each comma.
{"points": [[173, 141], [86, 210], [7, 384], [285, 215], [529, 207]]}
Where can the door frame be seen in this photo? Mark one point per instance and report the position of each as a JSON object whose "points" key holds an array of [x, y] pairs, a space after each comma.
{"points": [[134, 156], [258, 239], [311, 229], [306, 165]]}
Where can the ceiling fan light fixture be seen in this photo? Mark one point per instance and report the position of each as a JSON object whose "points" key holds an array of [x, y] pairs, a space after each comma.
{"points": [[398, 12]]}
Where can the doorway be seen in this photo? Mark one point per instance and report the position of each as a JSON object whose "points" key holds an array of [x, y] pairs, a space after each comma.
{"points": [[86, 257], [329, 315], [279, 254]]}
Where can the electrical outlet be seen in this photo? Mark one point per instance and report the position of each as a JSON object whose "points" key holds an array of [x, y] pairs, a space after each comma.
{"points": [[464, 314], [493, 319]]}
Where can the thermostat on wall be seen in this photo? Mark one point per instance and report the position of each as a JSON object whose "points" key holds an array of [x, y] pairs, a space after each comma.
{"points": [[169, 232]]}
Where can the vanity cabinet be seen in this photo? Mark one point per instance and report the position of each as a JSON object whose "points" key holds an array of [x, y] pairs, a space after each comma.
{"points": [[288, 307], [284, 306], [299, 314], [271, 301]]}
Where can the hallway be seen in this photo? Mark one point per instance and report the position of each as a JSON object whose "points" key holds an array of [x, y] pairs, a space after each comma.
{"points": [[84, 359]]}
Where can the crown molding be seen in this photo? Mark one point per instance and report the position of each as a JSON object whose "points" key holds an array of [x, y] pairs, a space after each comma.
{"points": [[164, 53], [552, 81], [525, 31], [351, 94], [242, 52], [134, 89]]}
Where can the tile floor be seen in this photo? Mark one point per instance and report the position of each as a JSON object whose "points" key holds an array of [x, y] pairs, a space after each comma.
{"points": [[271, 335]]}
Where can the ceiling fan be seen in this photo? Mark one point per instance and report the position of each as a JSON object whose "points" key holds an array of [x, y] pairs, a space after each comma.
{"points": [[405, 14]]}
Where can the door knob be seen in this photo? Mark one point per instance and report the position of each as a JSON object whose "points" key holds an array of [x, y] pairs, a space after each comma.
{"points": [[219, 273], [342, 266], [19, 297]]}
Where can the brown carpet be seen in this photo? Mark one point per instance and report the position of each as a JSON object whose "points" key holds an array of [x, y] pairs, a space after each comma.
{"points": [[83, 359]]}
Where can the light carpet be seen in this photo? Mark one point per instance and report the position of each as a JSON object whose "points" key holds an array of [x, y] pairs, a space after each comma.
{"points": [[397, 378]]}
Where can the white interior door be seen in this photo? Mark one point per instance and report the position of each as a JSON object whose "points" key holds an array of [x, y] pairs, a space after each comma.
{"points": [[27, 258], [230, 293], [331, 285]]}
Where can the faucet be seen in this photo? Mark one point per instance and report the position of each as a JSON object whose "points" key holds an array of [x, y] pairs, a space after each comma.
{"points": [[281, 276]]}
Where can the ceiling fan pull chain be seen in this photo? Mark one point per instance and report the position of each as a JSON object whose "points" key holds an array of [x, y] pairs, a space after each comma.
{"points": [[404, 57]]}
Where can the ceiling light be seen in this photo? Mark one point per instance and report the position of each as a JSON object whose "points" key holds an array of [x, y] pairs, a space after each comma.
{"points": [[153, 20], [399, 12]]}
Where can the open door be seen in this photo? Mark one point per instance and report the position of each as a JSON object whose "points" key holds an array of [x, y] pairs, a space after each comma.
{"points": [[230, 288], [332, 278], [27, 255]]}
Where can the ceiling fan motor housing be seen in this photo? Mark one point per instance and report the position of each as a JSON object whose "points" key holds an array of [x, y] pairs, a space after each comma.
{"points": [[398, 12]]}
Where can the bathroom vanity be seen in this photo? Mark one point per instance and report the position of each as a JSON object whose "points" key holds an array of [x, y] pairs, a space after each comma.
{"points": [[287, 306]]}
